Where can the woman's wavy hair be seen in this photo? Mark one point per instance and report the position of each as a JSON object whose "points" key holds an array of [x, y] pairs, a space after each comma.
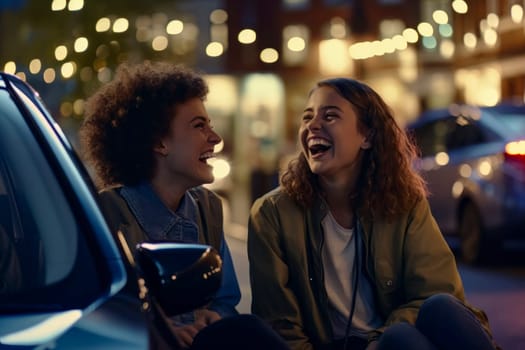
{"points": [[126, 118], [387, 185]]}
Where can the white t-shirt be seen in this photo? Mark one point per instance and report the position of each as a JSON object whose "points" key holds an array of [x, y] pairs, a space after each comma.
{"points": [[338, 255]]}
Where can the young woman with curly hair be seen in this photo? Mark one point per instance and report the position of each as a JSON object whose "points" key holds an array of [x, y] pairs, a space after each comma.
{"points": [[148, 137], [345, 254]]}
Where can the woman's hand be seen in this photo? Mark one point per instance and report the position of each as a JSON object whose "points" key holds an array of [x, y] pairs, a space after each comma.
{"points": [[186, 333], [372, 345]]}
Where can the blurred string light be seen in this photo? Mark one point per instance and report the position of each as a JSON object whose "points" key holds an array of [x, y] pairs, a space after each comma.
{"points": [[81, 44], [49, 75], [159, 43], [68, 69], [10, 67], [214, 49], [247, 36], [120, 25], [269, 55], [60, 52], [174, 27], [516, 13], [35, 66], [72, 5], [459, 6], [440, 17], [103, 25]]}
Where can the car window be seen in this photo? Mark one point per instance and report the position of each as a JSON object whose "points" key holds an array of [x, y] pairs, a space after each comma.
{"points": [[463, 132], [448, 134], [515, 122], [38, 226], [431, 137]]}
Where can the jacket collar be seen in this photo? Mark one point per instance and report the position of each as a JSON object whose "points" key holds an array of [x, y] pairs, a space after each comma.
{"points": [[156, 219]]}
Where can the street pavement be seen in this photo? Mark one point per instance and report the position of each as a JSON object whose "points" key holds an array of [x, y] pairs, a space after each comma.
{"points": [[500, 292]]}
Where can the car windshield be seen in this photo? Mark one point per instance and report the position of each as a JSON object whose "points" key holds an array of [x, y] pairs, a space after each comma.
{"points": [[515, 122]]}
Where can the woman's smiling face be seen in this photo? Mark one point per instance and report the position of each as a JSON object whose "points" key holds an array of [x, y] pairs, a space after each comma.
{"points": [[330, 135]]}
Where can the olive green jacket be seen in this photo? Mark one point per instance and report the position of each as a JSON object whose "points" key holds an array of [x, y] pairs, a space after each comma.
{"points": [[407, 261]]}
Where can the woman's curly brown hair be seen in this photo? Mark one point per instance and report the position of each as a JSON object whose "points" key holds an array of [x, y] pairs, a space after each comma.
{"points": [[126, 117], [387, 185]]}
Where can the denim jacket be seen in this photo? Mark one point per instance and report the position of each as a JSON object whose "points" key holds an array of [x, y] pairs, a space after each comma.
{"points": [[155, 222]]}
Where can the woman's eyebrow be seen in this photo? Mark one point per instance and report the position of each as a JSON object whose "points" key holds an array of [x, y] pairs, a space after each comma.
{"points": [[310, 109], [200, 118]]}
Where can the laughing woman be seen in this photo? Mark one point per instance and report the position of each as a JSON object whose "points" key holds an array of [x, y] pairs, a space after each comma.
{"points": [[346, 254]]}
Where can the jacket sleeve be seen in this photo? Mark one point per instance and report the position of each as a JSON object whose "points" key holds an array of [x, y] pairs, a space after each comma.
{"points": [[229, 294], [272, 297], [428, 265]]}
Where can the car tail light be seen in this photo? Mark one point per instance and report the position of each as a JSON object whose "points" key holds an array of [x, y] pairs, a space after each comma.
{"points": [[515, 151]]}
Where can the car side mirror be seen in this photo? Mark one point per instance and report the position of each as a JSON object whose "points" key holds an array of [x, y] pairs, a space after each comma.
{"points": [[179, 276]]}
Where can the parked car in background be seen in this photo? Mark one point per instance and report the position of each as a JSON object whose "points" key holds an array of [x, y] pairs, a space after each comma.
{"points": [[62, 272], [473, 159]]}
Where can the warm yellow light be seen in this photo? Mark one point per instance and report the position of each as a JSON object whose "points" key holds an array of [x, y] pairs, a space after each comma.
{"points": [[400, 43], [485, 168], [75, 5], [120, 25], [337, 28], [159, 43], [214, 49], [440, 17], [360, 51], [460, 6], [457, 189], [58, 5], [465, 170], [442, 158], [334, 58], [221, 168], [78, 107], [68, 69], [218, 16], [35, 66], [104, 75], [247, 36], [516, 13], [21, 75], [470, 40], [60, 53], [103, 24], [493, 20], [269, 55], [516, 148], [490, 36], [81, 44], [10, 67], [296, 44], [49, 75], [174, 27], [425, 29], [411, 35], [447, 48]]}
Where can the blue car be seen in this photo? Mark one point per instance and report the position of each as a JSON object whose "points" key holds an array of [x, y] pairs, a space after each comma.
{"points": [[473, 159], [62, 272]]}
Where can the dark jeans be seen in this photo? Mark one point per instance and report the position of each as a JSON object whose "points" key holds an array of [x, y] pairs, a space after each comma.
{"points": [[239, 332], [443, 323]]}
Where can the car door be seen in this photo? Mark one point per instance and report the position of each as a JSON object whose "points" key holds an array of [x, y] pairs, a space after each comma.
{"points": [[58, 262]]}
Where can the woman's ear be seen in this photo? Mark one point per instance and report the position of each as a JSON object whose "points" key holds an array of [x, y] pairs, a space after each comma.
{"points": [[161, 149], [367, 143]]}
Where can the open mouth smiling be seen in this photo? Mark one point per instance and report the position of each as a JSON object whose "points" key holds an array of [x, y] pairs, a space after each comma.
{"points": [[205, 156], [318, 146]]}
